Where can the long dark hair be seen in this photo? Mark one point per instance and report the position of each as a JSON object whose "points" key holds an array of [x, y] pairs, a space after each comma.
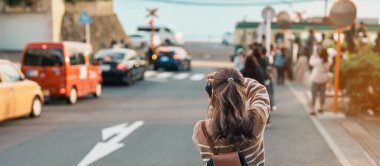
{"points": [[230, 121], [324, 55]]}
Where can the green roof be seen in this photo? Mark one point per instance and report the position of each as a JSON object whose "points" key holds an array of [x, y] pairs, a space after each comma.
{"points": [[299, 26]]}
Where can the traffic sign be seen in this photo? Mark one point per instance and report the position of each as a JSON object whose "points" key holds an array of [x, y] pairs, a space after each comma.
{"points": [[343, 13], [283, 20], [85, 18], [268, 13]]}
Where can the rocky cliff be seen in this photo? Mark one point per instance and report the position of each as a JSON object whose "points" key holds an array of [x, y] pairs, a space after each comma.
{"points": [[105, 25]]}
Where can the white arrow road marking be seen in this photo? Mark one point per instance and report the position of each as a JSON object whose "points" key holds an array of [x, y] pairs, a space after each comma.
{"points": [[114, 135], [197, 77], [181, 76]]}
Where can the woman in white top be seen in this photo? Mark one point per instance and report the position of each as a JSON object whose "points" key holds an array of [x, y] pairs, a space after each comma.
{"points": [[319, 77]]}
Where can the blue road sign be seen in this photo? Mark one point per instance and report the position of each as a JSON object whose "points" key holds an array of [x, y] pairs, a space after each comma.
{"points": [[85, 18]]}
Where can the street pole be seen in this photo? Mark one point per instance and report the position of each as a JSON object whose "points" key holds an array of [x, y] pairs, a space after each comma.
{"points": [[326, 1], [337, 67], [268, 35], [88, 34]]}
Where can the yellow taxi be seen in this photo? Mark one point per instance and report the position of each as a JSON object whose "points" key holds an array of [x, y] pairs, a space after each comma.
{"points": [[18, 96]]}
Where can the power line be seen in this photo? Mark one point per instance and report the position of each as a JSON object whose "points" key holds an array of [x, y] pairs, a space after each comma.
{"points": [[235, 3]]}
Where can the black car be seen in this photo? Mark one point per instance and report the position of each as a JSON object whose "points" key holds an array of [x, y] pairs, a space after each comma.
{"points": [[172, 57], [121, 65]]}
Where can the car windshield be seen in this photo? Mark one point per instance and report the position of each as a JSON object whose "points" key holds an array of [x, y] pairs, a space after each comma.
{"points": [[43, 57], [166, 53], [112, 56], [148, 29]]}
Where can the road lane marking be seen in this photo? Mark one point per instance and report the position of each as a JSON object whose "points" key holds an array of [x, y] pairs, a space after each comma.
{"points": [[181, 76], [149, 74], [112, 137], [197, 77], [164, 75], [330, 142]]}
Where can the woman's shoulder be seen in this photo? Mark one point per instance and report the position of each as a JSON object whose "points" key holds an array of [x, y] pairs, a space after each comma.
{"points": [[198, 137]]}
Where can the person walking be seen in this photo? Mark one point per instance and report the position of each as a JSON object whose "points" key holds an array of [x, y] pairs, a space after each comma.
{"points": [[239, 59], [280, 64], [320, 75], [252, 69], [238, 110]]}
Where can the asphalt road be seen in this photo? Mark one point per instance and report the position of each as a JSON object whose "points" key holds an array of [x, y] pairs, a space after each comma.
{"points": [[160, 113]]}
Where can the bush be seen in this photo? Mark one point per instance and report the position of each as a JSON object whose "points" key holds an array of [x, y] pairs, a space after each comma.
{"points": [[360, 79]]}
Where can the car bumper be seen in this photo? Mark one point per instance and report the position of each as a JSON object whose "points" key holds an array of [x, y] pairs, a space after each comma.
{"points": [[114, 76]]}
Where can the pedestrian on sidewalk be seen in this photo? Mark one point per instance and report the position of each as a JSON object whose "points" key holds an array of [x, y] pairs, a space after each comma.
{"points": [[239, 59], [252, 69], [320, 75], [239, 108], [280, 64]]}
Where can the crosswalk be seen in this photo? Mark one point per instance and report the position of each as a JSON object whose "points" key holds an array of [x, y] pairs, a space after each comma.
{"points": [[164, 76]]}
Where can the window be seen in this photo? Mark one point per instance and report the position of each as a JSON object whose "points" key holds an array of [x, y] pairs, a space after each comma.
{"points": [[81, 59], [92, 59], [43, 57], [73, 59], [168, 30], [10, 73]]}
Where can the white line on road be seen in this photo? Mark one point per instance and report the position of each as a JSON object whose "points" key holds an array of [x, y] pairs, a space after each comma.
{"points": [[181, 76], [197, 77], [114, 135], [338, 153], [164, 75], [149, 74]]}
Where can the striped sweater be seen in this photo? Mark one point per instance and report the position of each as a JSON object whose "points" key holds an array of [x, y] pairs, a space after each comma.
{"points": [[258, 105]]}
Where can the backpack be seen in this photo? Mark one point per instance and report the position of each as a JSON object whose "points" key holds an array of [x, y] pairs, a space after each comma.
{"points": [[228, 159]]}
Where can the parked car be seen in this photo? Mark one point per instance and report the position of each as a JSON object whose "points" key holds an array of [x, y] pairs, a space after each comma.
{"points": [[18, 96], [121, 65], [165, 35], [63, 70], [172, 57], [142, 40]]}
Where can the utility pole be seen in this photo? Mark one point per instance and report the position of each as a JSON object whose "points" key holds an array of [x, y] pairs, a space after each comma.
{"points": [[152, 13], [326, 2]]}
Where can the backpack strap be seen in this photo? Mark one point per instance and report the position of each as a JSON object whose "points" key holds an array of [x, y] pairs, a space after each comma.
{"points": [[209, 142]]}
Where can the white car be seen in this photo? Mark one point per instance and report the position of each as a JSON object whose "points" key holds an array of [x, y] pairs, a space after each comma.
{"points": [[164, 34], [142, 40]]}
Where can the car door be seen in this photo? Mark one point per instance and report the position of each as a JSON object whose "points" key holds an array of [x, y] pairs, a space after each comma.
{"points": [[94, 74], [77, 72], [19, 98], [6, 96]]}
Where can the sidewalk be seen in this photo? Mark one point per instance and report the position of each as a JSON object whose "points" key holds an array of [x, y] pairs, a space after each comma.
{"points": [[354, 141]]}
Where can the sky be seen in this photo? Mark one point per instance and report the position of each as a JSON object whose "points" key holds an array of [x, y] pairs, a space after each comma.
{"points": [[208, 23]]}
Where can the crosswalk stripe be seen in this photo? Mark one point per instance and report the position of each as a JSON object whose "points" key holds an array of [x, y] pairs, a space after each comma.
{"points": [[181, 76], [149, 74], [164, 75], [197, 77]]}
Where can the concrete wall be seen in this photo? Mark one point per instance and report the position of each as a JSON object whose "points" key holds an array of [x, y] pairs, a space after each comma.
{"points": [[57, 13], [18, 29], [98, 8]]}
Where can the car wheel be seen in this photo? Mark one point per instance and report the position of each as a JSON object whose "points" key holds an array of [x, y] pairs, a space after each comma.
{"points": [[98, 91], [142, 75], [128, 79], [73, 96], [189, 66], [36, 107], [155, 67]]}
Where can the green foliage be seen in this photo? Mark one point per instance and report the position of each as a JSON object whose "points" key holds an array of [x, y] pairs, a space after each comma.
{"points": [[360, 78]]}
